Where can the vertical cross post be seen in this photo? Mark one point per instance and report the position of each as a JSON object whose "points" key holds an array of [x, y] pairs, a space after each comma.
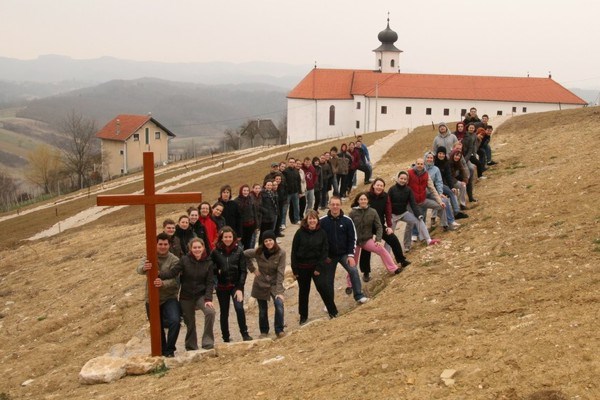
{"points": [[149, 200]]}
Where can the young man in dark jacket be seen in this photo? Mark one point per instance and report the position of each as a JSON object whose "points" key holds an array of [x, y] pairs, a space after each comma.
{"points": [[341, 236]]}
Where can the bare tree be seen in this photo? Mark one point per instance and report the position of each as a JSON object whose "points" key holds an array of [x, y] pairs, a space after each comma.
{"points": [[82, 147], [44, 167], [282, 126], [231, 139], [9, 192]]}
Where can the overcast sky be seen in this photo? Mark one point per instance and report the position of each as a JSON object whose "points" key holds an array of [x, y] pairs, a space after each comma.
{"points": [[491, 37]]}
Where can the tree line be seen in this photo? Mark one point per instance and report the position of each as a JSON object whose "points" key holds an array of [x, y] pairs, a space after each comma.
{"points": [[72, 165]]}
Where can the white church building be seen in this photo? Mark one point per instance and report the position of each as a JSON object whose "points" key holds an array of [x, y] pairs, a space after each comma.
{"points": [[330, 103]]}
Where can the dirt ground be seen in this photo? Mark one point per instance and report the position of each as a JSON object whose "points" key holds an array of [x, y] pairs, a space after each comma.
{"points": [[509, 301]]}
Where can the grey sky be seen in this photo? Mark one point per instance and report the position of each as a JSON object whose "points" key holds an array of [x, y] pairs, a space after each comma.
{"points": [[485, 37]]}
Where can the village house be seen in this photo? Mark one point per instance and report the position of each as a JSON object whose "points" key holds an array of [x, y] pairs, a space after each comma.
{"points": [[124, 140], [259, 132], [330, 103]]}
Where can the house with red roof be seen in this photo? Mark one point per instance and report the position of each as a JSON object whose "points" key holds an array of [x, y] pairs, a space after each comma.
{"points": [[126, 137], [330, 103]]}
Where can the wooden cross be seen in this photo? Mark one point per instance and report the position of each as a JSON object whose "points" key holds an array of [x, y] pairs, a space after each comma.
{"points": [[149, 200]]}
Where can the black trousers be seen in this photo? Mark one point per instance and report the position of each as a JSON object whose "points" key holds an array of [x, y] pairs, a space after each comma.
{"points": [[305, 276]]}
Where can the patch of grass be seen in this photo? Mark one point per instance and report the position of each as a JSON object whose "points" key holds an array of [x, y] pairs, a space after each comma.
{"points": [[528, 186], [597, 241], [553, 157], [42, 317], [4, 396], [160, 371], [557, 223]]}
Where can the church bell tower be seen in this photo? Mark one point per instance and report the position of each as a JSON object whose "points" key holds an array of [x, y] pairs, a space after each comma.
{"points": [[387, 56]]}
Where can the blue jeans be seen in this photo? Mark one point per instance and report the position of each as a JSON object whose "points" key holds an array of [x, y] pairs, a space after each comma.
{"points": [[488, 152], [293, 200], [453, 200], [352, 272], [310, 200], [170, 319], [263, 315]]}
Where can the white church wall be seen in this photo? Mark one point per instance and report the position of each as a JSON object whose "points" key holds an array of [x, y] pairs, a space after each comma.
{"points": [[309, 119]]}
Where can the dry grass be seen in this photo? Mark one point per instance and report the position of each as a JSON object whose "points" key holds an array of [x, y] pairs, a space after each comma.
{"points": [[510, 300]]}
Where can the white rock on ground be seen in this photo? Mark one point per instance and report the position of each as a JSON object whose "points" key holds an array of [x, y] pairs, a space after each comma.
{"points": [[103, 369]]}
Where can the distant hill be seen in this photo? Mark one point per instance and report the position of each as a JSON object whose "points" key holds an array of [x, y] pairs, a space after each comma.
{"points": [[589, 95], [187, 109], [56, 68]]}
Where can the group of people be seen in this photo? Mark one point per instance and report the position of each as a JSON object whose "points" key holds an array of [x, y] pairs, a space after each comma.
{"points": [[212, 247]]}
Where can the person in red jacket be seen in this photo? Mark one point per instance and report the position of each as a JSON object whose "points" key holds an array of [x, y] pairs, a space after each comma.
{"points": [[419, 182]]}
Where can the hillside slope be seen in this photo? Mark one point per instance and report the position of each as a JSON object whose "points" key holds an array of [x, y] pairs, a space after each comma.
{"points": [[510, 301]]}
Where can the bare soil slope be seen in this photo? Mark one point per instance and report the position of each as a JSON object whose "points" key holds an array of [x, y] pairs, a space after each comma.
{"points": [[510, 301]]}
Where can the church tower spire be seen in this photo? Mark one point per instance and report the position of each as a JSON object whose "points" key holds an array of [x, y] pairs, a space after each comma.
{"points": [[387, 56]]}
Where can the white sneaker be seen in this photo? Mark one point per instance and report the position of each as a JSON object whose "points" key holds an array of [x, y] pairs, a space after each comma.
{"points": [[455, 224], [363, 300], [325, 310], [414, 238], [482, 177], [278, 240], [282, 228]]}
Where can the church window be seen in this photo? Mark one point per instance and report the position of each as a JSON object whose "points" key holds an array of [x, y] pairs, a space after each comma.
{"points": [[358, 105], [332, 115], [463, 112], [379, 61], [514, 109], [446, 111], [499, 112], [428, 111], [147, 135], [357, 124], [384, 109], [392, 63], [408, 110], [524, 109], [121, 152]]}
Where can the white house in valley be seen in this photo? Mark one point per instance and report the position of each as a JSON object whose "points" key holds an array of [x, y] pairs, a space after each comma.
{"points": [[337, 102]]}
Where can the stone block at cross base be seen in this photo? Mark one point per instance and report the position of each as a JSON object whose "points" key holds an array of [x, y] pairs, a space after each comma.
{"points": [[103, 369], [140, 365]]}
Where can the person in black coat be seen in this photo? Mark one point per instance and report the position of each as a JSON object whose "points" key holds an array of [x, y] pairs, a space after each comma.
{"points": [[309, 252], [231, 270]]}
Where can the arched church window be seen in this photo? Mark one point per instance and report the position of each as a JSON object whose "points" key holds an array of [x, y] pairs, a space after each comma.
{"points": [[331, 115], [392, 63]]}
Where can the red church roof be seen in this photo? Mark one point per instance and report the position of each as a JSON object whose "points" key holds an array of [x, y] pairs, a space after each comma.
{"points": [[127, 126], [343, 84]]}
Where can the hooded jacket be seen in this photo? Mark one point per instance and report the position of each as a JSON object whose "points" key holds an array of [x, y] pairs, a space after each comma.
{"points": [[434, 173], [446, 139]]}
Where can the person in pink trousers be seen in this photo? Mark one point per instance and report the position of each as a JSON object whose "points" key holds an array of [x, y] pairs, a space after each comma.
{"points": [[366, 220]]}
